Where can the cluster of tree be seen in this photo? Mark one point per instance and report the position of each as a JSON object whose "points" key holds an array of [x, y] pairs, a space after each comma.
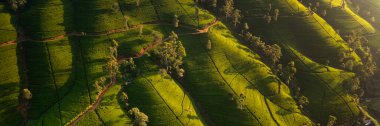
{"points": [[16, 4], [112, 66], [240, 100], [115, 7], [271, 53], [366, 70], [271, 14], [139, 118], [124, 98], [128, 67], [331, 121], [229, 11], [171, 54]]}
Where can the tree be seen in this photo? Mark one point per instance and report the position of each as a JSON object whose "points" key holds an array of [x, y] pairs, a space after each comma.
{"points": [[138, 2], [26, 94], [373, 19], [170, 54], [257, 44], [140, 118], [274, 53], [289, 72], [163, 73], [112, 67], [269, 7], [16, 4], [357, 9], [141, 27], [354, 84], [268, 18], [245, 26], [115, 7], [209, 44], [236, 17], [276, 14], [324, 12], [115, 45], [214, 3], [349, 65], [303, 101], [331, 121], [228, 8], [175, 21], [241, 101], [180, 72]]}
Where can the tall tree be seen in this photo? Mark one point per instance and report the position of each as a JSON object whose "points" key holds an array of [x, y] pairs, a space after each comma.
{"points": [[209, 44], [276, 14], [228, 8], [289, 72], [140, 118], [16, 4], [303, 101], [274, 53], [214, 3], [236, 16], [245, 26], [141, 27], [175, 21], [331, 121]]}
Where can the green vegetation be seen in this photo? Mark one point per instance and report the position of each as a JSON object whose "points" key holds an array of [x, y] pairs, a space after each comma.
{"points": [[161, 98], [343, 19], [47, 18], [170, 62], [111, 110], [97, 15], [9, 86], [230, 68], [7, 30]]}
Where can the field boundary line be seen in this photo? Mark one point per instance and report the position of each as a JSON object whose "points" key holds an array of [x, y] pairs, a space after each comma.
{"points": [[54, 80]]}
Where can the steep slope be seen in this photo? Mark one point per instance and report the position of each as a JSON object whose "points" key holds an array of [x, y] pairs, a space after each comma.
{"points": [[230, 68], [305, 39], [161, 98]]}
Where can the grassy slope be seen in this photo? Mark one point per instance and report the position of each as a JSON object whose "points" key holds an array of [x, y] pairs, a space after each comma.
{"points": [[47, 18], [9, 86], [110, 109], [7, 30], [315, 37], [161, 99], [230, 68], [164, 10], [373, 7], [58, 73], [97, 16], [344, 19]]}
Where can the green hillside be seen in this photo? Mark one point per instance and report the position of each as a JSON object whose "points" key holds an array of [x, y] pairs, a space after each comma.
{"points": [[185, 62]]}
